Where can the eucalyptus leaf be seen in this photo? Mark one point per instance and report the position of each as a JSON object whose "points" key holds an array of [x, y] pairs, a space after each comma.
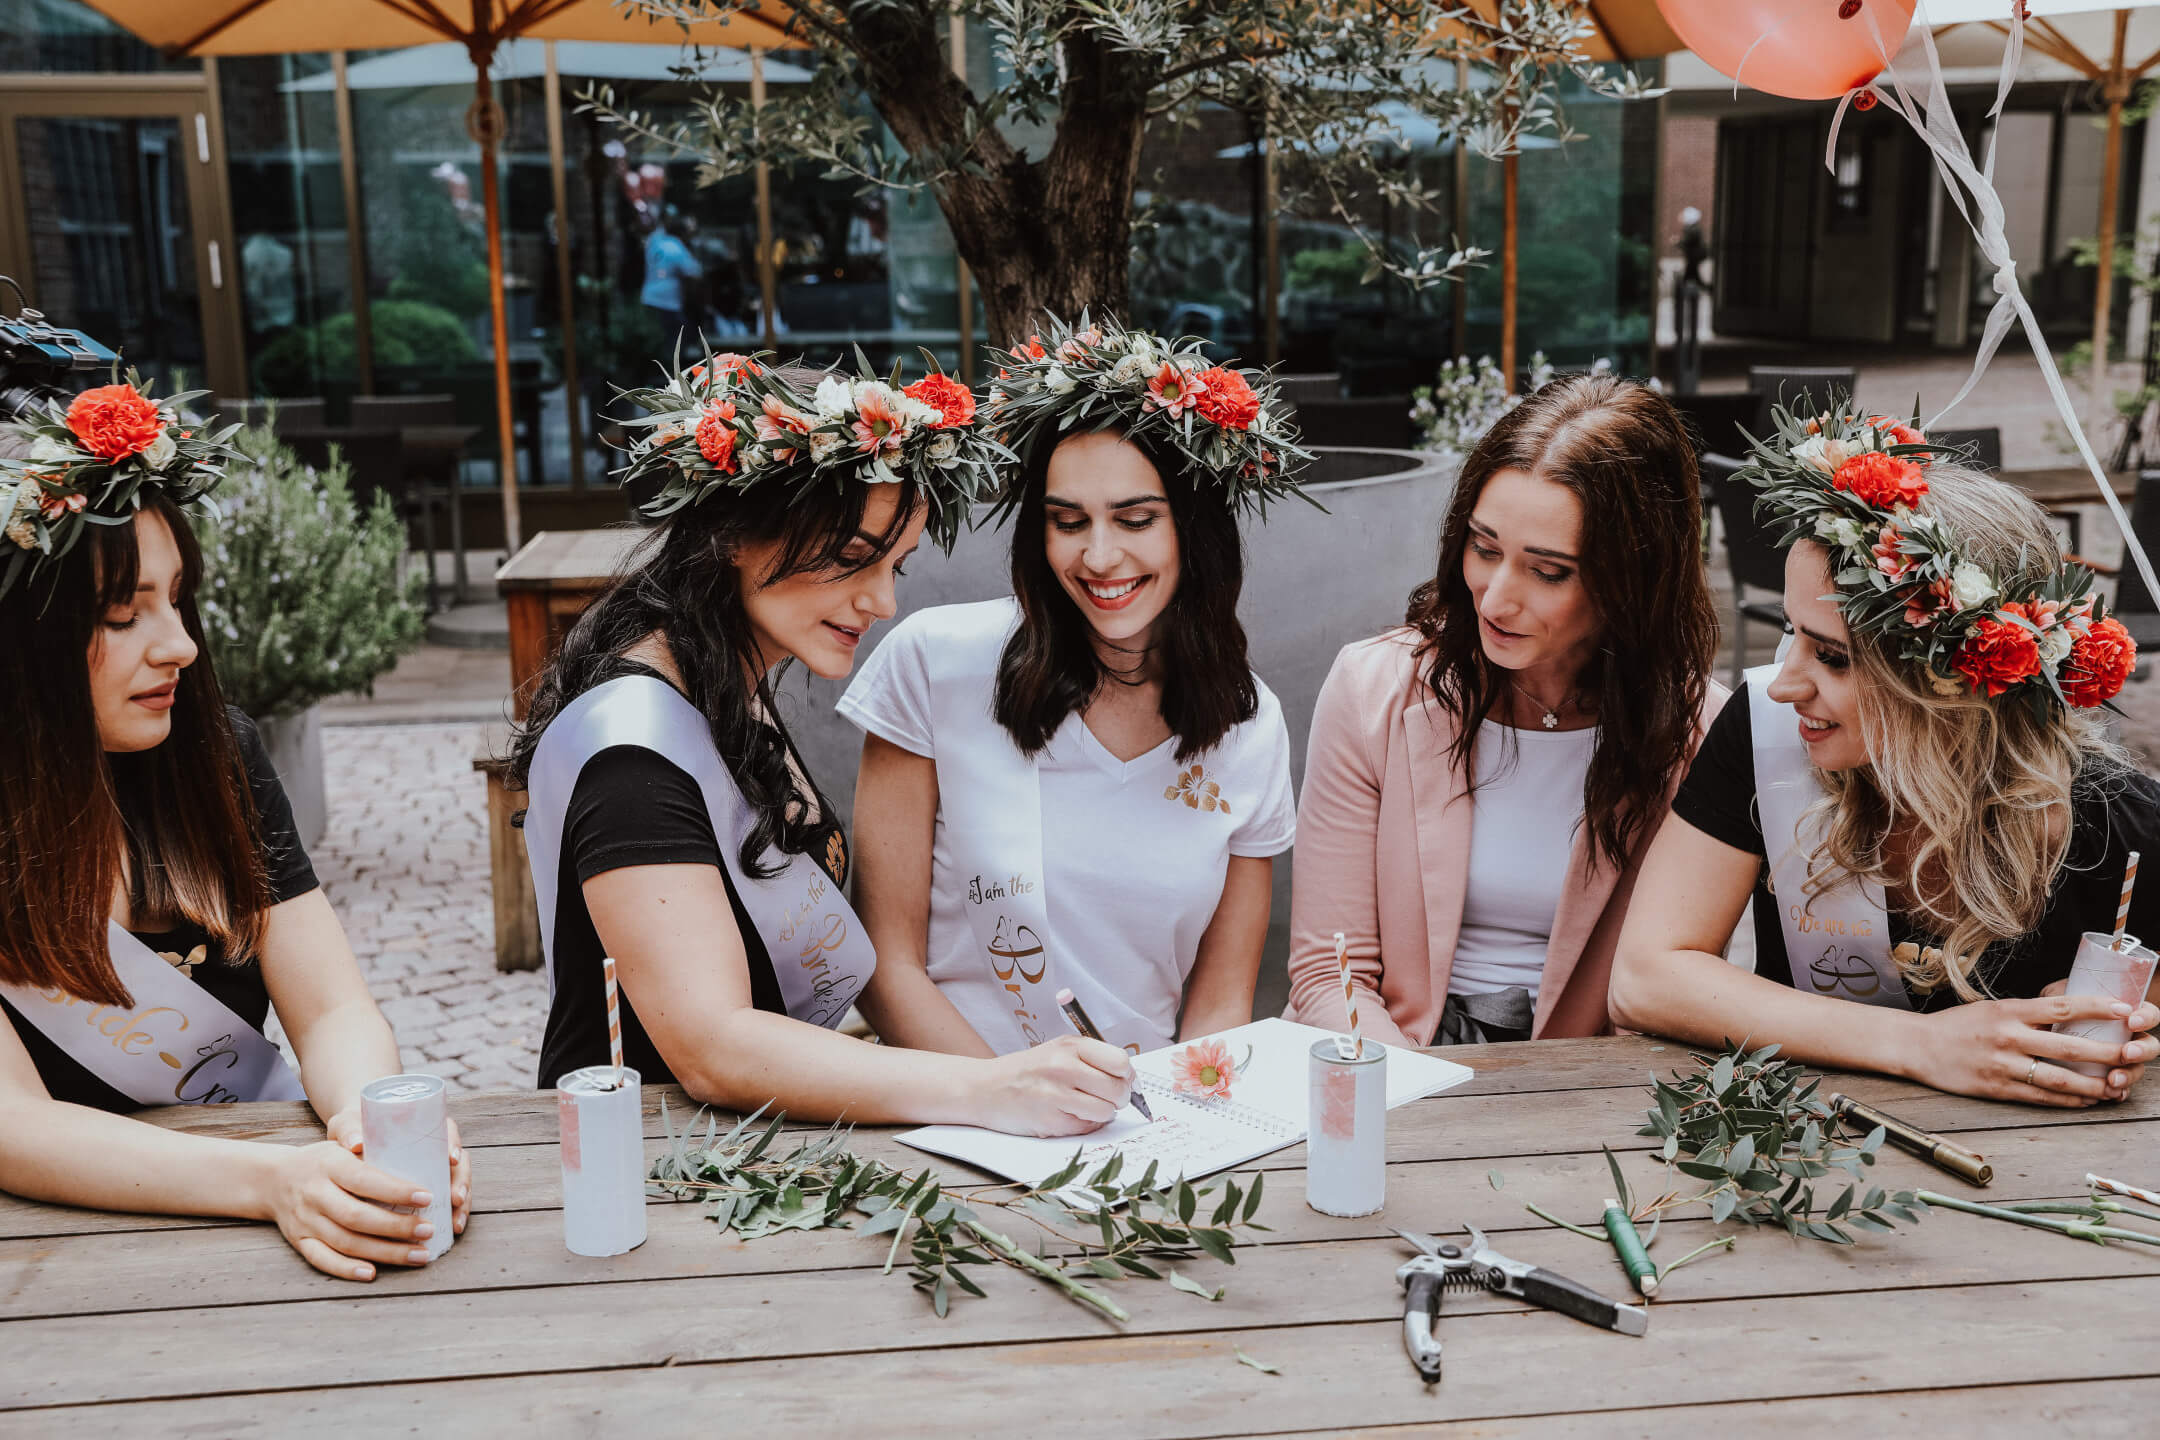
{"points": [[1190, 1286], [1261, 1365]]}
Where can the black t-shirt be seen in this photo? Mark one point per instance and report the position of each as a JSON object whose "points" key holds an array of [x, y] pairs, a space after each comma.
{"points": [[632, 806], [188, 946], [2110, 816]]}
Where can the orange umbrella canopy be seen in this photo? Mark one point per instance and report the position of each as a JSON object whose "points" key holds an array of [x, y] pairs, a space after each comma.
{"points": [[278, 27]]}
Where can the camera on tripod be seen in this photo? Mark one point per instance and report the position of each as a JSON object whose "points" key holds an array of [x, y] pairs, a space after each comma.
{"points": [[37, 357]]}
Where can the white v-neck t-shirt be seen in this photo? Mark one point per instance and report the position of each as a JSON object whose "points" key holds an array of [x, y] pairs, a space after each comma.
{"points": [[1525, 811], [1135, 852]]}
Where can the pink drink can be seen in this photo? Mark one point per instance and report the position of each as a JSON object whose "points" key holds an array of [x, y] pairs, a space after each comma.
{"points": [[2101, 969], [405, 1131], [1346, 1130], [602, 1113]]}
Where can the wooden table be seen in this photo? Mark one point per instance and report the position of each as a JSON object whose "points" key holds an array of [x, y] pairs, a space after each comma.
{"points": [[115, 1324], [545, 587]]}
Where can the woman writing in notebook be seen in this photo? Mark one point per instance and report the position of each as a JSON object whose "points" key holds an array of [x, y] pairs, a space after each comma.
{"points": [[1082, 786], [1920, 797], [155, 902], [673, 825]]}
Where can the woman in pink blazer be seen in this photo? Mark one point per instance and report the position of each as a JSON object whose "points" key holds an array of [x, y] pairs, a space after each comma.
{"points": [[1481, 783]]}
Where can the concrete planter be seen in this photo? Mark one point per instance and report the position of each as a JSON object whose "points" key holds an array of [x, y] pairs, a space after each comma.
{"points": [[294, 743]]}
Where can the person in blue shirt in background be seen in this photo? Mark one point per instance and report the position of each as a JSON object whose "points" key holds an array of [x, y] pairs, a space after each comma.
{"points": [[668, 263]]}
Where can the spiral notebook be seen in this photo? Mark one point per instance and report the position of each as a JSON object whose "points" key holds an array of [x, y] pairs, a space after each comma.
{"points": [[1191, 1135]]}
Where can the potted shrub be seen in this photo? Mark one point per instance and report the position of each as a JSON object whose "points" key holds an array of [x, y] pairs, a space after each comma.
{"points": [[305, 596]]}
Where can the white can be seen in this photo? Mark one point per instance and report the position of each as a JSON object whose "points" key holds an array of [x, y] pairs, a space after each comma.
{"points": [[602, 1113], [405, 1131], [2101, 969], [1346, 1130]]}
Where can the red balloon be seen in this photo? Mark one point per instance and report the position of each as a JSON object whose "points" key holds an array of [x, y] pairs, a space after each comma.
{"points": [[1801, 49]]}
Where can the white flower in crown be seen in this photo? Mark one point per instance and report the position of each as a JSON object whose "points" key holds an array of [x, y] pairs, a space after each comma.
{"points": [[944, 448], [159, 452], [823, 443], [1130, 371], [1139, 347], [1056, 381], [1822, 452], [833, 398], [876, 472], [48, 451], [2055, 643], [1970, 586], [1837, 530]]}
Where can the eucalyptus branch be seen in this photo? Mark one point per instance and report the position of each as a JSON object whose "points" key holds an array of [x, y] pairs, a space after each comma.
{"points": [[2078, 1229]]}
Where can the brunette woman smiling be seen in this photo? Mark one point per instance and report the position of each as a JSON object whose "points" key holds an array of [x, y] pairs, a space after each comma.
{"points": [[1082, 787], [155, 903], [1480, 785], [674, 827]]}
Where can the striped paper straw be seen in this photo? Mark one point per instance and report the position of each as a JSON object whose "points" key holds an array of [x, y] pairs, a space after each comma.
{"points": [[2116, 1187], [614, 1016], [2122, 911], [1355, 1049]]}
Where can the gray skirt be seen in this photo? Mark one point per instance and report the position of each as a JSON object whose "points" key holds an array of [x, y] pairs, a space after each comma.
{"points": [[1485, 1019]]}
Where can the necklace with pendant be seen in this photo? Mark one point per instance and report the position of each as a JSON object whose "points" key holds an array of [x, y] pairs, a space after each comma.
{"points": [[1549, 718]]}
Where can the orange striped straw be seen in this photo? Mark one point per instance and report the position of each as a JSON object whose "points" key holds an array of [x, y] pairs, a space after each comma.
{"points": [[614, 1016], [2122, 911], [1355, 1050]]}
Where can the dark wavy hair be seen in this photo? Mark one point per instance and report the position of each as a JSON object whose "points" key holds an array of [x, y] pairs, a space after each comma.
{"points": [[684, 583], [1625, 453], [1050, 670], [180, 814]]}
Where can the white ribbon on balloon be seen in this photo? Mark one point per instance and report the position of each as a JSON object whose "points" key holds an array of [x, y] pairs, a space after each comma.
{"points": [[1935, 124]]}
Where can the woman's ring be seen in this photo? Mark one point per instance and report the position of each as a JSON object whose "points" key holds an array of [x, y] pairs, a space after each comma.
{"points": [[2032, 1070]]}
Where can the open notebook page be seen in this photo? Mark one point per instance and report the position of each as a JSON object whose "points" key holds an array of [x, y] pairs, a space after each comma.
{"points": [[1192, 1136]]}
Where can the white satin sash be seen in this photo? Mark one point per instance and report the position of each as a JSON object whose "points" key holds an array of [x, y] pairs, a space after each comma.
{"points": [[820, 954], [990, 796], [178, 1045], [1838, 942]]}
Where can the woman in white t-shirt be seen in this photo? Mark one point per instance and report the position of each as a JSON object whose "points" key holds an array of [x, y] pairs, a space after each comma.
{"points": [[1083, 786]]}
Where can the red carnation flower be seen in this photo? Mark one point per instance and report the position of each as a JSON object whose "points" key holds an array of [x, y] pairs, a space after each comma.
{"points": [[1997, 655], [114, 421], [1899, 434], [1029, 349], [2099, 661], [716, 435], [1884, 481], [1226, 399], [947, 396]]}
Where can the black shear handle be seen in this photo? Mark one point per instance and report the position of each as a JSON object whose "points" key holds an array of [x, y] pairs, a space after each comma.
{"points": [[1421, 1304], [1557, 1292]]}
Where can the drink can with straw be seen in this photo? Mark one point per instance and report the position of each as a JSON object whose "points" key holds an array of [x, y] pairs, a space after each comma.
{"points": [[1346, 1134], [405, 1131], [602, 1113], [2118, 967]]}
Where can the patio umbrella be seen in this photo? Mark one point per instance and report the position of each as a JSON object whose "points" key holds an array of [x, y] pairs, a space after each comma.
{"points": [[279, 27], [2113, 45]]}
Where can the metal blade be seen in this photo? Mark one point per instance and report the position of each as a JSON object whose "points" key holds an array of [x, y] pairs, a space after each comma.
{"points": [[1425, 1243]]}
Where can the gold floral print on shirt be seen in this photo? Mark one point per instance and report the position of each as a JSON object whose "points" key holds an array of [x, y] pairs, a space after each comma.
{"points": [[1197, 791], [835, 856], [185, 964]]}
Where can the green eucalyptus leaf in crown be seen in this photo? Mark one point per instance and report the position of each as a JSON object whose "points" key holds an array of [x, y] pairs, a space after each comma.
{"points": [[90, 459], [1227, 423], [1852, 483], [731, 422]]}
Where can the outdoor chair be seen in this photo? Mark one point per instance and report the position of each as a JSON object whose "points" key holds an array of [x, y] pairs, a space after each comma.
{"points": [[300, 413], [2133, 602], [1297, 389], [429, 484], [1786, 385], [1982, 446], [1754, 556], [1374, 420], [1716, 421]]}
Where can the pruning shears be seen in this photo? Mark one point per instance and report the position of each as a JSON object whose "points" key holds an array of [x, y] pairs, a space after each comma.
{"points": [[1447, 1266]]}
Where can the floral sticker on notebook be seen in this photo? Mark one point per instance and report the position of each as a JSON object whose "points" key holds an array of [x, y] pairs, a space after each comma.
{"points": [[1205, 1069], [1197, 791]]}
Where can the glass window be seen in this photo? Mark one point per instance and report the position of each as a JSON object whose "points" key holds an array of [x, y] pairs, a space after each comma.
{"points": [[66, 35]]}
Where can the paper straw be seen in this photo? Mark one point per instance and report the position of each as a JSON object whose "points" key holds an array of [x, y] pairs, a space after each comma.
{"points": [[2122, 911], [2116, 1187], [1355, 1049], [614, 1015]]}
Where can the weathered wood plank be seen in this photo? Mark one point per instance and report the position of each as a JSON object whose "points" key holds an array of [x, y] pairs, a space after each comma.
{"points": [[1188, 1383], [518, 1242]]}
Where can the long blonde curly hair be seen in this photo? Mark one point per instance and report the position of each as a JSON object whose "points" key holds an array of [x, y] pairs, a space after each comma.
{"points": [[1981, 788]]}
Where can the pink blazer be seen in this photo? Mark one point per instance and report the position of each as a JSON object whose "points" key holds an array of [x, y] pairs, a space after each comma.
{"points": [[1383, 855]]}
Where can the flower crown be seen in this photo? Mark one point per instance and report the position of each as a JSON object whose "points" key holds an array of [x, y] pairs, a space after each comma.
{"points": [[1850, 483], [1223, 421], [89, 461], [728, 423]]}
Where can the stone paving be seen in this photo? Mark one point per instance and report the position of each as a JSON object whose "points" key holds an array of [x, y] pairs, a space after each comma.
{"points": [[404, 860]]}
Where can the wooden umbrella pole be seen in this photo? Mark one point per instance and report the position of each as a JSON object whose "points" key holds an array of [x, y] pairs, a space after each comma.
{"points": [[1508, 191], [2116, 89], [486, 124]]}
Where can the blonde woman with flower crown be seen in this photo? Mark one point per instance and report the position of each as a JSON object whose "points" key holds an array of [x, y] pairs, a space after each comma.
{"points": [[1919, 796]]}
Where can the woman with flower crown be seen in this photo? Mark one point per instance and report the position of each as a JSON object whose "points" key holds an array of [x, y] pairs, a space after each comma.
{"points": [[155, 902], [673, 825], [1082, 786], [1919, 796]]}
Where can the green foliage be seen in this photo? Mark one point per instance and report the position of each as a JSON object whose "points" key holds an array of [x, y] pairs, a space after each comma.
{"points": [[1100, 1225], [1338, 273], [1751, 1127], [438, 256], [303, 596], [404, 332]]}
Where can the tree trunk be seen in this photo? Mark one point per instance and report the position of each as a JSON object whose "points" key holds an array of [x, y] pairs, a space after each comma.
{"points": [[1049, 235]]}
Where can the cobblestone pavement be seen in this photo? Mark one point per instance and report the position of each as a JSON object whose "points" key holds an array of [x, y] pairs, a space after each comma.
{"points": [[404, 860]]}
